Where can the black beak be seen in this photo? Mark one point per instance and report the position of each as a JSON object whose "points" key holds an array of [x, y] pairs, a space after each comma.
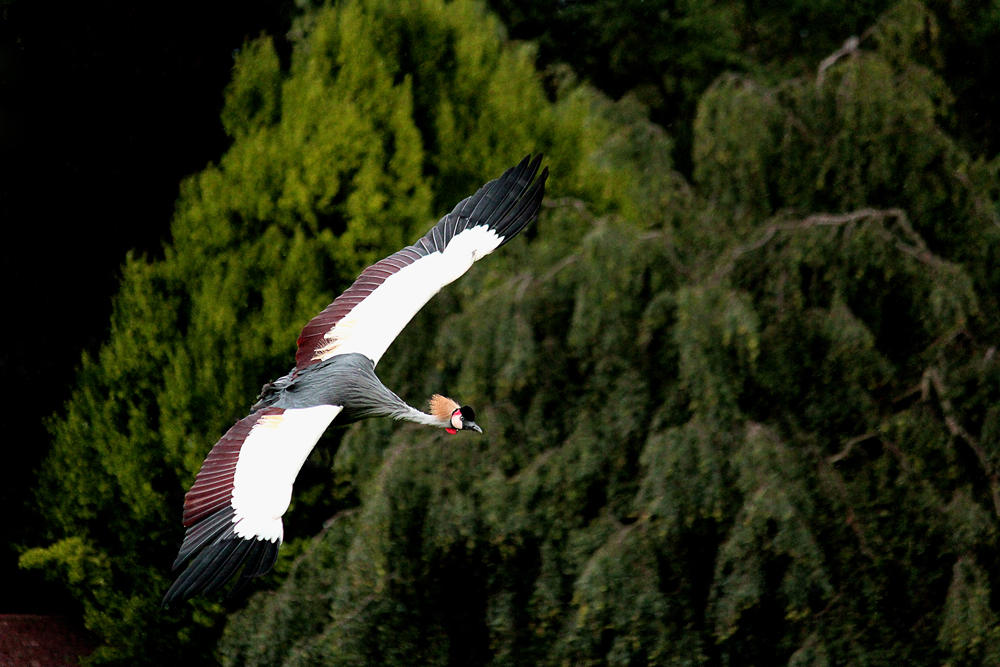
{"points": [[472, 426]]}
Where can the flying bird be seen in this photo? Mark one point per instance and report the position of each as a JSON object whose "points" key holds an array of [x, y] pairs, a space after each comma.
{"points": [[232, 513]]}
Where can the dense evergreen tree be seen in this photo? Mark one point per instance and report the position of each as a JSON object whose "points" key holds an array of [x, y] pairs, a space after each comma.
{"points": [[668, 52], [389, 114], [753, 425], [749, 417]]}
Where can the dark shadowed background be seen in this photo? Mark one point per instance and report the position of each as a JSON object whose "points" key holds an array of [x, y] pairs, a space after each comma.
{"points": [[104, 108]]}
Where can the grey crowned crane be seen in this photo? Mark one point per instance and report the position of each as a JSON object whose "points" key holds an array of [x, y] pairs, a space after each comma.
{"points": [[232, 513]]}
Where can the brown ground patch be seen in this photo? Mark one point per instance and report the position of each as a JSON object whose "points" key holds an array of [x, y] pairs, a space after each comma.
{"points": [[29, 640]]}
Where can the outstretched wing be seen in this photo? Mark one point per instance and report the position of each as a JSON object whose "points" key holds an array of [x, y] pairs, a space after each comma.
{"points": [[370, 314], [233, 511]]}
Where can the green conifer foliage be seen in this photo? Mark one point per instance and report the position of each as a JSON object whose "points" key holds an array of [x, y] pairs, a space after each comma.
{"points": [[389, 114], [751, 420]]}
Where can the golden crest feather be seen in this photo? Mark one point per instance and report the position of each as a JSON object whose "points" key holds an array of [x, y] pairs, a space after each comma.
{"points": [[442, 407]]}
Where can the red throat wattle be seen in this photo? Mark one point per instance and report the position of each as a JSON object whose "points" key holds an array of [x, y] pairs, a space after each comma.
{"points": [[450, 430]]}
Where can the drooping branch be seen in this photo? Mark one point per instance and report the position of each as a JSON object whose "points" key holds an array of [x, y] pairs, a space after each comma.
{"points": [[849, 47], [849, 445], [916, 248], [580, 207], [828, 471], [932, 377]]}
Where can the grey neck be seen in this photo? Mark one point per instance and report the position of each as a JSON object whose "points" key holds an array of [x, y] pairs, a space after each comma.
{"points": [[411, 414], [348, 380]]}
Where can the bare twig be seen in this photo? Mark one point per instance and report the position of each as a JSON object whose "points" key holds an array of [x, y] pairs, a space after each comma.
{"points": [[797, 123], [849, 47], [915, 389], [522, 286], [336, 517], [850, 444], [580, 206], [526, 280], [360, 607]]}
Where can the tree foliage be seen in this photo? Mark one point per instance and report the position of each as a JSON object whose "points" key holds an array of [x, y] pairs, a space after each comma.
{"points": [[746, 417], [668, 52], [388, 114], [752, 425]]}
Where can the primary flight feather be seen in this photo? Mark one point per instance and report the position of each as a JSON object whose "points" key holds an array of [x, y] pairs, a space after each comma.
{"points": [[233, 511]]}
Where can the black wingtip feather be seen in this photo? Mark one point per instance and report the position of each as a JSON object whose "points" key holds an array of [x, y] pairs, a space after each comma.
{"points": [[513, 188], [228, 567], [187, 584], [498, 193], [473, 206], [250, 565], [260, 560], [505, 205], [214, 527], [269, 559], [524, 211], [218, 563]]}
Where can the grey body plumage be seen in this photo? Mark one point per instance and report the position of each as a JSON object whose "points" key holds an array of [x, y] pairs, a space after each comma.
{"points": [[347, 380]]}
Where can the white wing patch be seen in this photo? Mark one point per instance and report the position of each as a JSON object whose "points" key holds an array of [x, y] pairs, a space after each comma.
{"points": [[371, 326], [270, 459], [475, 241]]}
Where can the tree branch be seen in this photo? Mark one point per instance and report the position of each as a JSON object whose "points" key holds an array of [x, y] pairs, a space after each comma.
{"points": [[826, 466], [918, 250], [849, 445], [849, 47], [933, 377]]}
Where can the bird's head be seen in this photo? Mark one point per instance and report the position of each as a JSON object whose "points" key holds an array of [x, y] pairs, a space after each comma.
{"points": [[452, 417], [463, 419]]}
